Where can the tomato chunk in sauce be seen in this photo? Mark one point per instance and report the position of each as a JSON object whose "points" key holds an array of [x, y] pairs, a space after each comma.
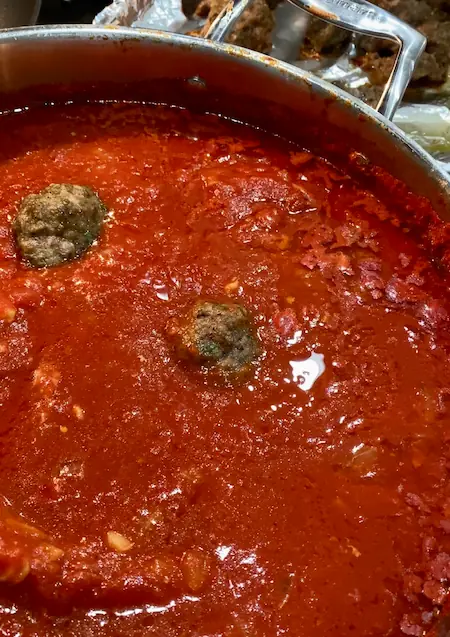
{"points": [[143, 494]]}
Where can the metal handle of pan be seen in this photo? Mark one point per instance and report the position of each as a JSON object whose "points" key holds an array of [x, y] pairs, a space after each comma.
{"points": [[359, 16]]}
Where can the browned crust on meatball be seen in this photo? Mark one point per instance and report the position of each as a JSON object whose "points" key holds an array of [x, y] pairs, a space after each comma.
{"points": [[216, 335], [58, 224], [254, 29]]}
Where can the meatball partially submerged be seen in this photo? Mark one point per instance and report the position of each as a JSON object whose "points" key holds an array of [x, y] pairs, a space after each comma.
{"points": [[58, 224], [217, 335]]}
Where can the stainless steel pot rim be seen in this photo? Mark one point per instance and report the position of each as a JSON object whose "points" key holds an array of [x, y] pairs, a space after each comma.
{"points": [[40, 34]]}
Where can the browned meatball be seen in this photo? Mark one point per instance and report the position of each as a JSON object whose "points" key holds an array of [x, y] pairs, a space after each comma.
{"points": [[58, 224], [254, 29], [430, 17], [217, 335], [324, 39], [376, 56]]}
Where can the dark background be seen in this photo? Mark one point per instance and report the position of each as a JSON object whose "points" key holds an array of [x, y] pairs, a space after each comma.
{"points": [[67, 11]]}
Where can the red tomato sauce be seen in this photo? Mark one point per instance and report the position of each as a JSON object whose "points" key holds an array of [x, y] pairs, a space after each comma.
{"points": [[140, 497]]}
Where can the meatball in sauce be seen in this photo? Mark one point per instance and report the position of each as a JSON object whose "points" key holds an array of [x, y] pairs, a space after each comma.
{"points": [[217, 335], [58, 224]]}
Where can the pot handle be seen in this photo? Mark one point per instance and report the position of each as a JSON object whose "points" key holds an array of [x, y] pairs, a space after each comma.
{"points": [[355, 15]]}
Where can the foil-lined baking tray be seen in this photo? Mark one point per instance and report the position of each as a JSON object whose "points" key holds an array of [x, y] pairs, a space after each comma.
{"points": [[426, 120]]}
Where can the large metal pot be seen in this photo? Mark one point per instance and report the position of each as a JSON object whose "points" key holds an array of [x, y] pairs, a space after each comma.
{"points": [[40, 64]]}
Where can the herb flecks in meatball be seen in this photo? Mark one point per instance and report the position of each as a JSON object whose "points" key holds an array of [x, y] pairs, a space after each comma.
{"points": [[58, 224], [219, 335]]}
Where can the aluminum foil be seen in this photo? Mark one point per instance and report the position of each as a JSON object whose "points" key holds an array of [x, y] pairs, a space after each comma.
{"points": [[427, 121]]}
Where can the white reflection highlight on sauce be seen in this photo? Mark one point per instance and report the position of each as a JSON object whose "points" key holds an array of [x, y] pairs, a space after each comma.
{"points": [[296, 338], [161, 290], [306, 372], [145, 609], [223, 552]]}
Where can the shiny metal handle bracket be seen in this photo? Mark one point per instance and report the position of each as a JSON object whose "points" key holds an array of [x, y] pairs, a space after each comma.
{"points": [[361, 17]]}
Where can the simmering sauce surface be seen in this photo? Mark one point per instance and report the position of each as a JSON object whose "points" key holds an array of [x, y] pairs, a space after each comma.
{"points": [[142, 496]]}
